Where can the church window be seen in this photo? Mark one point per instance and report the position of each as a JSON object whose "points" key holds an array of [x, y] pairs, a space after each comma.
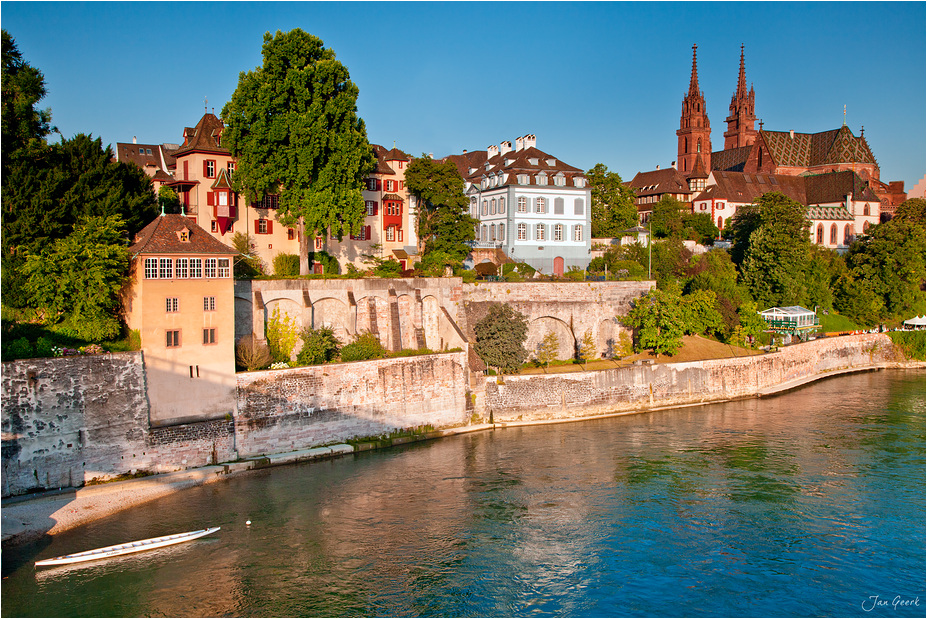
{"points": [[833, 234], [820, 237], [698, 147], [866, 210]]}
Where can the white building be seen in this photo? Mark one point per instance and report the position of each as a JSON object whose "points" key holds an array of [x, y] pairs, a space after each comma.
{"points": [[530, 205]]}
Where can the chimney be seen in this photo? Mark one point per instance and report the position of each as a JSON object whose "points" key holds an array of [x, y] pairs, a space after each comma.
{"points": [[492, 151], [505, 147], [792, 134], [672, 165], [134, 140], [531, 140], [519, 144], [465, 151], [658, 166]]}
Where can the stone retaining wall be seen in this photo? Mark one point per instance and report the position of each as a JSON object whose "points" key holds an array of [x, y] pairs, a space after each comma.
{"points": [[286, 410], [554, 396]]}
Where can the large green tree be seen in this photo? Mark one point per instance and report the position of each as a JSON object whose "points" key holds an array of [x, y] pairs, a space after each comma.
{"points": [[889, 261], [613, 208], [47, 190], [666, 220], [23, 88], [772, 249], [442, 221], [500, 338], [76, 280], [292, 124], [658, 321]]}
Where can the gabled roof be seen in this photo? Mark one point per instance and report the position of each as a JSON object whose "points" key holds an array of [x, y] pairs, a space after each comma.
{"points": [[836, 186], [204, 138], [161, 236], [745, 188], [531, 161], [655, 182], [160, 156], [814, 149]]}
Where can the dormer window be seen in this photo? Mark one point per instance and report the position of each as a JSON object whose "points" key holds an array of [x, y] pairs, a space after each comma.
{"points": [[523, 179], [541, 179], [551, 162], [579, 182], [183, 235], [533, 161], [560, 180]]}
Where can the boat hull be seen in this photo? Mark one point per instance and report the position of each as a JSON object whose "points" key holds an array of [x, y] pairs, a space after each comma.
{"points": [[127, 548]]}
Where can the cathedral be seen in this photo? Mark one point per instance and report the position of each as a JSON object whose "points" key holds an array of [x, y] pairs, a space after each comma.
{"points": [[749, 150]]}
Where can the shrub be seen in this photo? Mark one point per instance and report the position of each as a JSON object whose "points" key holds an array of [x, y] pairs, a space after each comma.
{"points": [[252, 354], [44, 347], [319, 346], [468, 276], [330, 264], [281, 334], [364, 347], [575, 274], [286, 265], [18, 349], [911, 343]]}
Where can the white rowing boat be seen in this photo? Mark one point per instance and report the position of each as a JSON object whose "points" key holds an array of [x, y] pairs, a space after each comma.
{"points": [[128, 547]]}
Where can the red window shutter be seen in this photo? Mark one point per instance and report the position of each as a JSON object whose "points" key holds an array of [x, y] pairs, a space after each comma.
{"points": [[270, 226], [375, 207], [379, 184], [256, 227], [210, 199], [367, 236]]}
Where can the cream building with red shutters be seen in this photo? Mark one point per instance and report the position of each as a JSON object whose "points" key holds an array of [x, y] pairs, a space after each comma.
{"points": [[200, 170], [181, 301]]}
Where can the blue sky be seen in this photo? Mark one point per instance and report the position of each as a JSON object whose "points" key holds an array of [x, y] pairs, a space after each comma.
{"points": [[596, 82]]}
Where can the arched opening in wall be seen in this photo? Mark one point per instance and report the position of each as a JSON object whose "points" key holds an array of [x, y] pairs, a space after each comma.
{"points": [[866, 210], [820, 234], [287, 312], [431, 324], [244, 318], [410, 334], [847, 234], [538, 330], [373, 316], [334, 313], [720, 223], [833, 234]]}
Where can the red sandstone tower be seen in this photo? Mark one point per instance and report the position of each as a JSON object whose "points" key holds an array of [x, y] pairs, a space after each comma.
{"points": [[740, 131], [694, 129]]}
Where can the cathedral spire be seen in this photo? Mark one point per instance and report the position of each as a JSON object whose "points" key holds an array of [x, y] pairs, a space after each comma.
{"points": [[740, 131], [693, 81]]}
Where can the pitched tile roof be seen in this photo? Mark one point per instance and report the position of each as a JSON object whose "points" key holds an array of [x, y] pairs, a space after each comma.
{"points": [[830, 213], [162, 236], [531, 161], [814, 149], [830, 188], [204, 138], [159, 156], [655, 182]]}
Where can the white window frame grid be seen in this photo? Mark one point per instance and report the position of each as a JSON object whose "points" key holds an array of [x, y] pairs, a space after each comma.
{"points": [[151, 268], [540, 205], [181, 268], [558, 232], [522, 232], [225, 268], [196, 268], [171, 305], [209, 304], [578, 232], [522, 204], [502, 206], [540, 231], [210, 268], [165, 268]]}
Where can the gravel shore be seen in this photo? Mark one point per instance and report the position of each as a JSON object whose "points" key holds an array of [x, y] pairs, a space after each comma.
{"points": [[26, 519]]}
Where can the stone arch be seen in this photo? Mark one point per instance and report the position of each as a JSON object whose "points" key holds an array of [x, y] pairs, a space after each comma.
{"points": [[431, 321], [409, 322], [373, 315], [540, 327], [334, 313], [244, 318], [289, 309]]}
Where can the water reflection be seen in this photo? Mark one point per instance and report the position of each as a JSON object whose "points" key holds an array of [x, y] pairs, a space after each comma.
{"points": [[803, 504]]}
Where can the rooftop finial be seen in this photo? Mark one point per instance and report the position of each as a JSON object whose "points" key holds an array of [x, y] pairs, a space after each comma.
{"points": [[205, 105], [844, 115]]}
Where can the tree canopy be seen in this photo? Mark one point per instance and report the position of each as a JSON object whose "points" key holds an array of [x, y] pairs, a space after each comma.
{"points": [[772, 249], [442, 221], [613, 208], [292, 124], [500, 338], [666, 220], [77, 279], [23, 88], [658, 321]]}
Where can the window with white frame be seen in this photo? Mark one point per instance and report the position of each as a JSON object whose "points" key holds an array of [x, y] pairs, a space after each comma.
{"points": [[579, 182], [231, 168], [558, 232], [211, 268], [501, 206], [485, 234], [542, 179], [196, 268], [181, 270], [502, 232], [485, 207], [523, 179], [209, 304], [225, 267], [578, 233], [165, 268], [474, 210], [172, 305], [522, 232], [522, 204], [390, 233], [560, 180], [492, 206], [370, 208], [540, 205], [210, 168], [540, 232], [151, 268], [492, 232]]}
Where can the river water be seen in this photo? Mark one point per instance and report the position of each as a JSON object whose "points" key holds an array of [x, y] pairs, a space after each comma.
{"points": [[810, 503]]}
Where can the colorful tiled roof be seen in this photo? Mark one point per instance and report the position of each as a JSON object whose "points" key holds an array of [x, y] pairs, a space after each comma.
{"points": [[807, 150], [836, 186], [730, 160], [829, 213], [164, 236]]}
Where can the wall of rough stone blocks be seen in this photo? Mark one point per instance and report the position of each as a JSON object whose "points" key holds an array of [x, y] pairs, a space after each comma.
{"points": [[69, 420], [553, 396], [297, 408]]}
